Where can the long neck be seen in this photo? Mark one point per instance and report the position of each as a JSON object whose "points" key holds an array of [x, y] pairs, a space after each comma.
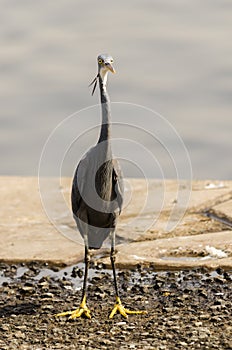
{"points": [[105, 107]]}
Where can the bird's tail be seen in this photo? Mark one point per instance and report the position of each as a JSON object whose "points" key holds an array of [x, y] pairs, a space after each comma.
{"points": [[97, 236]]}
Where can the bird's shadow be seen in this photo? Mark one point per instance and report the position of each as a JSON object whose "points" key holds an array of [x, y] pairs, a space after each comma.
{"points": [[19, 309]]}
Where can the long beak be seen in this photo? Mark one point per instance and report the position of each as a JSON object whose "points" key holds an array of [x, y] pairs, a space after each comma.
{"points": [[110, 67]]}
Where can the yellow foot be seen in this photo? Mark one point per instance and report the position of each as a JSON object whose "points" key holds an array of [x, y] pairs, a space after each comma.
{"points": [[122, 310], [82, 310]]}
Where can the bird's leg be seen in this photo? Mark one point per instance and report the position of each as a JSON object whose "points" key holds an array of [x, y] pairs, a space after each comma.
{"points": [[87, 261], [118, 305], [112, 259], [82, 309]]}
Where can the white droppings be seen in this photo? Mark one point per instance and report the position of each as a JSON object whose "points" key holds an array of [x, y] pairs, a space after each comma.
{"points": [[138, 257], [122, 323], [211, 186], [216, 253]]}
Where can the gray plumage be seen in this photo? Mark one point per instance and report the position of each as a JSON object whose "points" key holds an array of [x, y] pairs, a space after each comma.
{"points": [[97, 190], [97, 195]]}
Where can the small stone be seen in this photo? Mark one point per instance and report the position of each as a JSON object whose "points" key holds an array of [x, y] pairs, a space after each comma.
{"points": [[203, 293], [47, 295], [19, 334], [27, 289], [183, 343], [219, 279], [204, 316], [47, 307], [5, 284]]}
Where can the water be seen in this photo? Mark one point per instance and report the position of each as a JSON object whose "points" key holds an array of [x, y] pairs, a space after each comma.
{"points": [[66, 273], [171, 56], [145, 276]]}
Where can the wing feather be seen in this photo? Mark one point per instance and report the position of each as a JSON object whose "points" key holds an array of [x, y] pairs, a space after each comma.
{"points": [[118, 183], [78, 185]]}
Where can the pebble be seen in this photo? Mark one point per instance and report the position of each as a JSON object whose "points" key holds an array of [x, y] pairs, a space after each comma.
{"points": [[186, 310], [4, 328], [26, 290]]}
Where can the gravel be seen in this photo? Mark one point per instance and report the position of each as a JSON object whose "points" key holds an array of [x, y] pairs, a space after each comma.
{"points": [[186, 309]]}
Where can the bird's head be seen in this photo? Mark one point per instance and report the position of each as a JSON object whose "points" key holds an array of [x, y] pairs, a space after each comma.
{"points": [[104, 66]]}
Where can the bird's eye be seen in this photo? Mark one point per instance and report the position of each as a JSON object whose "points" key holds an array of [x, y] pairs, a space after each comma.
{"points": [[100, 61], [111, 61]]}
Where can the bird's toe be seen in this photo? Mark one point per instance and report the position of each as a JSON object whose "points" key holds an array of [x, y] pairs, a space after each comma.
{"points": [[118, 307]]}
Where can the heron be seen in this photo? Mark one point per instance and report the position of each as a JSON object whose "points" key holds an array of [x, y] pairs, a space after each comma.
{"points": [[97, 194]]}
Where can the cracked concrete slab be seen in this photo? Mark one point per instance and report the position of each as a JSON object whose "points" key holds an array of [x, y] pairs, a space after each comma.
{"points": [[223, 210], [32, 231], [211, 250]]}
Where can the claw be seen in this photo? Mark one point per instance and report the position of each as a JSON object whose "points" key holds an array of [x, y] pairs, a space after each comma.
{"points": [[123, 311], [81, 310]]}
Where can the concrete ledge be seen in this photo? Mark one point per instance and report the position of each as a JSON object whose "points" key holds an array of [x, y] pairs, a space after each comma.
{"points": [[151, 208], [211, 250]]}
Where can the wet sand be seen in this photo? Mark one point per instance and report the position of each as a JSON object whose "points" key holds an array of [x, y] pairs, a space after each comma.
{"points": [[185, 309]]}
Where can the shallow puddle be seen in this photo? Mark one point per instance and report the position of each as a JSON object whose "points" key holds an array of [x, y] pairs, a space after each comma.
{"points": [[72, 273]]}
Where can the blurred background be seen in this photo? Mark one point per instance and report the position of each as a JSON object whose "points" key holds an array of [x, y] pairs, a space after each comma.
{"points": [[173, 56]]}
